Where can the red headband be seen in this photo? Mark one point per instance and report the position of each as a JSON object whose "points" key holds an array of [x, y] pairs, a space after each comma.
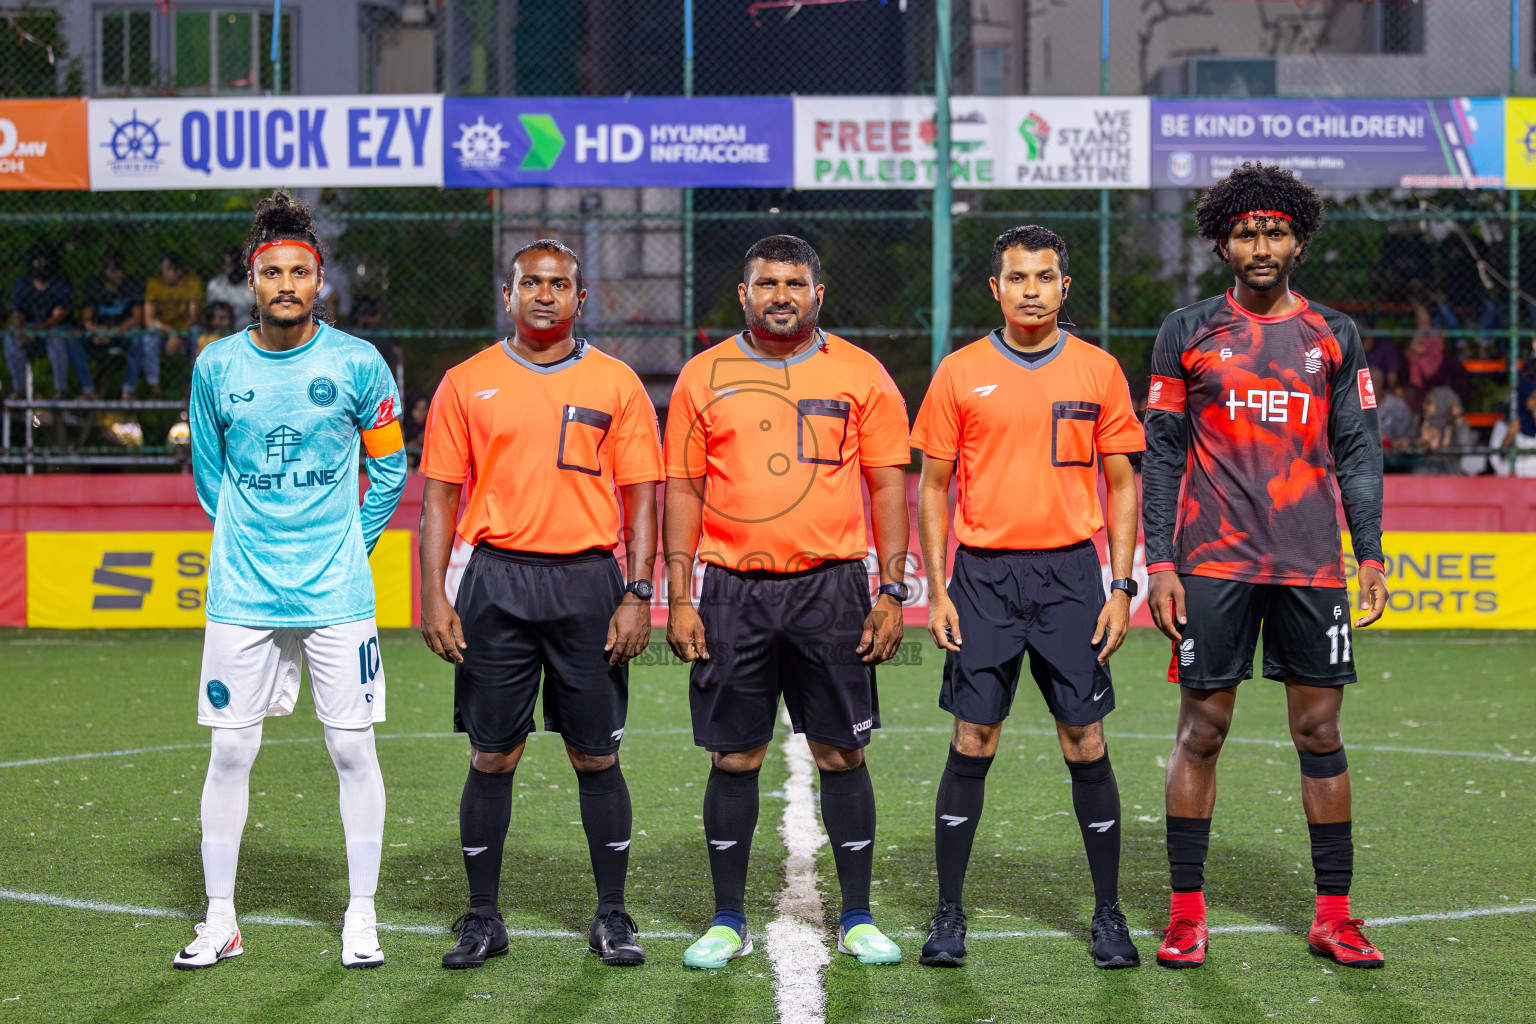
{"points": [[1258, 213], [293, 241]]}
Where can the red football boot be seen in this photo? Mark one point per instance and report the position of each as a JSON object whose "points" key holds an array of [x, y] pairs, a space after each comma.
{"points": [[1186, 938], [1343, 942]]}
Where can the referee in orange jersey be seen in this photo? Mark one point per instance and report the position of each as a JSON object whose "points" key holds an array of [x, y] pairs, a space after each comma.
{"points": [[769, 437], [1025, 417], [551, 437]]}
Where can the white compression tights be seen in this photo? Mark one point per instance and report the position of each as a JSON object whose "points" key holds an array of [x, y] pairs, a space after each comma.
{"points": [[362, 809], [226, 799]]}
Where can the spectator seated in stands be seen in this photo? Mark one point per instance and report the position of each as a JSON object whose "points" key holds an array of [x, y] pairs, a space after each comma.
{"points": [[230, 286], [1381, 354], [1519, 432], [1429, 365], [1396, 419], [414, 424], [112, 310], [218, 322], [43, 302], [173, 304]]}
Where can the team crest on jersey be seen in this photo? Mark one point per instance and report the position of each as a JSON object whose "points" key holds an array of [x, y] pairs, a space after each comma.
{"points": [[1314, 361], [322, 391], [218, 694]]}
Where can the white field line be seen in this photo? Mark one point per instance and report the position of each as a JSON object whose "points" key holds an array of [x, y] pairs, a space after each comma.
{"points": [[132, 910], [292, 922], [797, 940], [927, 729]]}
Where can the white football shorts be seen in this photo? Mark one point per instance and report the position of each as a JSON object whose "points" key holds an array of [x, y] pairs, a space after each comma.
{"points": [[250, 673]]}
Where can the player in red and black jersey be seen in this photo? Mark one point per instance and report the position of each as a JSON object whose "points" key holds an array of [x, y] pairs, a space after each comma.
{"points": [[1255, 395]]}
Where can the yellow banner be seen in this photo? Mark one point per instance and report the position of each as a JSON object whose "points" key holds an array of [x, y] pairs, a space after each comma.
{"points": [[1519, 143], [1457, 580], [141, 580]]}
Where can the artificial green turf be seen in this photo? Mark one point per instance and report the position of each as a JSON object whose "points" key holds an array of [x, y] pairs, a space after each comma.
{"points": [[1434, 833]]}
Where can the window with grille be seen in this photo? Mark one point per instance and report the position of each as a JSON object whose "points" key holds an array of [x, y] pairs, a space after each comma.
{"points": [[193, 51]]}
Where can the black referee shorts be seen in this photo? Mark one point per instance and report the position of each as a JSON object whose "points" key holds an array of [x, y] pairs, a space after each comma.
{"points": [[792, 633], [1045, 603], [525, 614], [1307, 637]]}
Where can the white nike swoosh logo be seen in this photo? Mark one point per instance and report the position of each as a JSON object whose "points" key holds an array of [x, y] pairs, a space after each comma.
{"points": [[474, 850], [952, 820], [858, 845], [1102, 826], [722, 844], [620, 847], [1101, 693], [486, 394]]}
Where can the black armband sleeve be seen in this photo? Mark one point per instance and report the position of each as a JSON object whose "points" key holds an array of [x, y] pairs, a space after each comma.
{"points": [[1354, 438]]}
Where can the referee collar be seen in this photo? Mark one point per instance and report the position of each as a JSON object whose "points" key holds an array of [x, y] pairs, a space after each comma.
{"points": [[1009, 351], [821, 342], [570, 360]]}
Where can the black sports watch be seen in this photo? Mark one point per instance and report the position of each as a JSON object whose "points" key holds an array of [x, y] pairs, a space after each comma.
{"points": [[641, 589], [1128, 585], [900, 591]]}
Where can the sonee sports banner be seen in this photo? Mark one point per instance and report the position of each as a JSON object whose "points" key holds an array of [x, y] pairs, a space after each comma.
{"points": [[160, 579]]}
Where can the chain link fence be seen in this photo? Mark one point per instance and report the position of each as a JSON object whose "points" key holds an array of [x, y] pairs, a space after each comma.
{"points": [[417, 270]]}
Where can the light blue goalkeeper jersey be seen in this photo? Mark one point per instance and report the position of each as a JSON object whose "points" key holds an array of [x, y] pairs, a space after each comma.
{"points": [[275, 451]]}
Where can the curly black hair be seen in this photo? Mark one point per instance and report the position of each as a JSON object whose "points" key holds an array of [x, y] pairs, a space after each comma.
{"points": [[1030, 238], [279, 217], [1258, 186]]}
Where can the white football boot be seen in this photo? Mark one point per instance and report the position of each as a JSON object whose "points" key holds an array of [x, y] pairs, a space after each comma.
{"points": [[360, 940], [218, 938]]}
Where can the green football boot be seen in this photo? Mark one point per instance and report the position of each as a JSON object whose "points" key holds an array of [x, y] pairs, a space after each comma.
{"points": [[869, 944], [718, 947]]}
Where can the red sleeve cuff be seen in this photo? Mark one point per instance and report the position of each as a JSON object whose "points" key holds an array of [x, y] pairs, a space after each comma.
{"points": [[1374, 565], [1153, 567]]}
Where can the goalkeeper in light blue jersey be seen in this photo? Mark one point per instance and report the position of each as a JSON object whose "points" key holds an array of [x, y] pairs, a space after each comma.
{"points": [[279, 413]]}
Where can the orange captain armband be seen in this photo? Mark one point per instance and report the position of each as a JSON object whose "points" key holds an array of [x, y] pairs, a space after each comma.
{"points": [[382, 441], [1166, 393]]}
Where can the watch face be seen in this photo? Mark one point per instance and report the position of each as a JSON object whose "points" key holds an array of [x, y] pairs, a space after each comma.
{"points": [[641, 589]]}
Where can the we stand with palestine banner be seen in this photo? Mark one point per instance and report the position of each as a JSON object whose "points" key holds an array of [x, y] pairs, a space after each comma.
{"points": [[802, 142]]}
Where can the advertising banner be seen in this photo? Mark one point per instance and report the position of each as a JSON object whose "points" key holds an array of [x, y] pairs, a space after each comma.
{"points": [[1377, 143], [42, 144], [1456, 580], [1520, 142], [158, 579], [264, 142], [996, 142], [669, 142]]}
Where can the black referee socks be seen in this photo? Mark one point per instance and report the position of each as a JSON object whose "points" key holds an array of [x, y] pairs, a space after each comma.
{"points": [[848, 812], [485, 810], [1096, 799], [607, 818], [730, 818], [957, 812]]}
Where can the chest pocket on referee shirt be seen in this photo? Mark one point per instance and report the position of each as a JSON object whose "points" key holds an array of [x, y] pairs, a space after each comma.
{"points": [[582, 432], [823, 427], [1072, 426]]}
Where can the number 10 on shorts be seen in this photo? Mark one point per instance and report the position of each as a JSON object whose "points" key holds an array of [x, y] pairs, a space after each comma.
{"points": [[368, 660]]}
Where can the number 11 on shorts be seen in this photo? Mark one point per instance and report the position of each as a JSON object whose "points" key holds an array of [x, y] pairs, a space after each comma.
{"points": [[368, 660], [1334, 633]]}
